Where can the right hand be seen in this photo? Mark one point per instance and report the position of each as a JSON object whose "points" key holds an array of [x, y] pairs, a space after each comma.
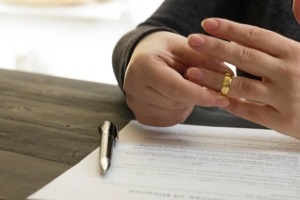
{"points": [[296, 10], [155, 87]]}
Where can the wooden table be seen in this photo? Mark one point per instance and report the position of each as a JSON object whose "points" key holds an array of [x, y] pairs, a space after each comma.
{"points": [[48, 124]]}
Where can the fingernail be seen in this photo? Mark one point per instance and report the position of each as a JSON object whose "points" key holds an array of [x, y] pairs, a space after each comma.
{"points": [[222, 101], [210, 24], [196, 40], [196, 74]]}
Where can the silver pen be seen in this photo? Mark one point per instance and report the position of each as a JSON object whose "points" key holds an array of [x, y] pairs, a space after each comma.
{"points": [[108, 138]]}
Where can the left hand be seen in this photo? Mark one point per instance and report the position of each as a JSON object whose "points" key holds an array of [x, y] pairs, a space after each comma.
{"points": [[273, 102]]}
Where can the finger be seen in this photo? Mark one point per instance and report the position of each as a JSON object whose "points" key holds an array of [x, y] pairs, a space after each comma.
{"points": [[250, 36], [296, 10], [177, 54], [215, 65], [184, 62], [168, 82], [206, 78], [173, 86], [244, 58], [157, 116], [153, 97], [250, 89], [181, 55], [244, 88], [255, 112]]}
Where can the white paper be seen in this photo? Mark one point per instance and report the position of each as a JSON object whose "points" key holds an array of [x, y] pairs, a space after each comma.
{"points": [[186, 162]]}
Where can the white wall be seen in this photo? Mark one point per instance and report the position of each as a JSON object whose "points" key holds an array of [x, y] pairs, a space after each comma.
{"points": [[74, 42]]}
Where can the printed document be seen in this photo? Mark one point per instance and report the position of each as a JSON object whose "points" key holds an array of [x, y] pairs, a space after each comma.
{"points": [[187, 162]]}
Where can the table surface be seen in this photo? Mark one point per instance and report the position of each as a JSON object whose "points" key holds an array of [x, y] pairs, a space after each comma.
{"points": [[48, 124]]}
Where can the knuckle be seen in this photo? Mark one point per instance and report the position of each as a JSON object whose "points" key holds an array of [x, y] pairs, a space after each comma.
{"points": [[243, 87], [245, 54], [215, 44], [289, 70], [293, 70], [252, 34], [283, 69]]}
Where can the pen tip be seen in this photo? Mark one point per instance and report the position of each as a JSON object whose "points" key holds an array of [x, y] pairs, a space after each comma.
{"points": [[104, 165]]}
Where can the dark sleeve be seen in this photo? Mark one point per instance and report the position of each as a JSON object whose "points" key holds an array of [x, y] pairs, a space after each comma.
{"points": [[179, 16]]}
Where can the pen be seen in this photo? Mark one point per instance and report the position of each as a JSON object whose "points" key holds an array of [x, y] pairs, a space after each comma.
{"points": [[108, 138]]}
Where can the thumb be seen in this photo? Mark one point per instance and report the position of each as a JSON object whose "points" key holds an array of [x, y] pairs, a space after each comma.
{"points": [[296, 10]]}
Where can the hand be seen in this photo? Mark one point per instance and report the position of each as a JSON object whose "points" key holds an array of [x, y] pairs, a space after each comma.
{"points": [[155, 87], [273, 102], [296, 10]]}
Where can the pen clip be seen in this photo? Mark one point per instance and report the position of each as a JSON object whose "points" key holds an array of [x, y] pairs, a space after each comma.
{"points": [[111, 129], [114, 133]]}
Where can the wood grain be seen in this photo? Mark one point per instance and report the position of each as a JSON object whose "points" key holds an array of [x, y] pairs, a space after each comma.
{"points": [[51, 120], [22, 175]]}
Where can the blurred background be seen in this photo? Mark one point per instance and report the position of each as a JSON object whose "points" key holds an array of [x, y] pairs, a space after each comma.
{"points": [[67, 38]]}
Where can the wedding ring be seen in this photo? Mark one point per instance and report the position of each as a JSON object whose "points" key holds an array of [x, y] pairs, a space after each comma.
{"points": [[226, 84]]}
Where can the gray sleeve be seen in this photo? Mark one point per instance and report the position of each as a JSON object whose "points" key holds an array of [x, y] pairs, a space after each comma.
{"points": [[179, 16]]}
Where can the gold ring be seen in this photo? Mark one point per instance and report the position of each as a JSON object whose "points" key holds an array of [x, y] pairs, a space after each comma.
{"points": [[226, 84]]}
